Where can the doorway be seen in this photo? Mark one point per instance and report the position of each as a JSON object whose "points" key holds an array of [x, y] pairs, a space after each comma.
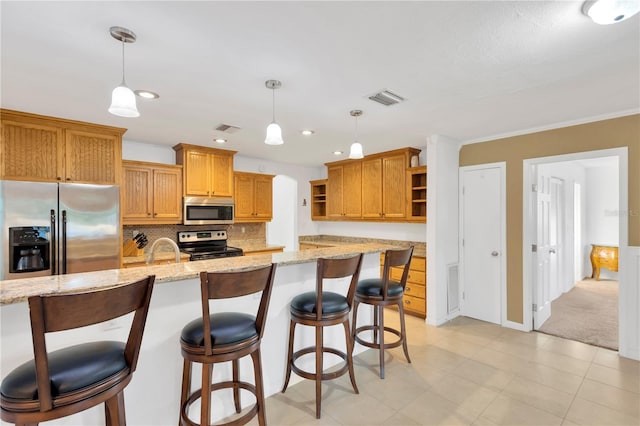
{"points": [[483, 242], [583, 195]]}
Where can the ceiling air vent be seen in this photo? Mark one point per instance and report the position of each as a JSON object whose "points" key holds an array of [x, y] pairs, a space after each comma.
{"points": [[386, 97], [227, 128]]}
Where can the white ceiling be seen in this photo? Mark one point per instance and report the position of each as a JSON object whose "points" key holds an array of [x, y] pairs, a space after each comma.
{"points": [[470, 70]]}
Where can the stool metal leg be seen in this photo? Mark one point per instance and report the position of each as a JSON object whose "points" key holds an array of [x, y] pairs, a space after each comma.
{"points": [[257, 368], [292, 330]]}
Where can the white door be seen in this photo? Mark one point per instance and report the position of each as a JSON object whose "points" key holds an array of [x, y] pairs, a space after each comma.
{"points": [[482, 226], [556, 236], [541, 250]]}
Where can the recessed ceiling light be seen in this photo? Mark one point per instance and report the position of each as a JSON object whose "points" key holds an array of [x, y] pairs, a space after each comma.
{"points": [[220, 140], [337, 152], [146, 94], [307, 132]]}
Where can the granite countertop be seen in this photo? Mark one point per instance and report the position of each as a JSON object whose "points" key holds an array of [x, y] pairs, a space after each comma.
{"points": [[249, 246], [161, 255], [419, 248], [14, 291]]}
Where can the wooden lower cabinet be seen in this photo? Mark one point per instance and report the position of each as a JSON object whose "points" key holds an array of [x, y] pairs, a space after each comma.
{"points": [[258, 252], [415, 292]]}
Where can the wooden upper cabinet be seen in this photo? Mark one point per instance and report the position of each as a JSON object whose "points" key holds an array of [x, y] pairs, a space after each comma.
{"points": [[208, 172], [253, 197], [374, 188], [344, 190], [49, 149], [151, 193], [92, 157]]}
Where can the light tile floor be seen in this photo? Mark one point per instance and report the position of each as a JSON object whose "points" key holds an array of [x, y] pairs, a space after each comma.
{"points": [[469, 372]]}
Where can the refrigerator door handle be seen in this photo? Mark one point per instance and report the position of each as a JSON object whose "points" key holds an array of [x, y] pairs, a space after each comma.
{"points": [[64, 242], [53, 247]]}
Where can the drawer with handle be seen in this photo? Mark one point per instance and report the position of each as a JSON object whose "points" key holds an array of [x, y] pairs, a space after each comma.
{"points": [[414, 276], [415, 290]]}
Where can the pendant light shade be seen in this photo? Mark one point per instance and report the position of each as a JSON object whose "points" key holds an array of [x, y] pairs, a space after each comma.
{"points": [[274, 132], [356, 151], [274, 135], [123, 100], [606, 12], [356, 147]]}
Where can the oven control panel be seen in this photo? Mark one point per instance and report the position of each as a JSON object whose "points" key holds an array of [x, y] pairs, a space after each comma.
{"points": [[201, 236]]}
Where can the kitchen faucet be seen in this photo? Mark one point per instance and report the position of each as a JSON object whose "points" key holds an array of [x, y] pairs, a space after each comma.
{"points": [[160, 241]]}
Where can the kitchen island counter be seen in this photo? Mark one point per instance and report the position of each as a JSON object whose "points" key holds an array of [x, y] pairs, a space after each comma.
{"points": [[14, 291], [419, 249], [153, 397]]}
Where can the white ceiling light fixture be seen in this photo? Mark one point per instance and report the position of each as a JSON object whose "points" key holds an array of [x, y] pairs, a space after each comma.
{"points": [[220, 140], [307, 132], [146, 94], [356, 148], [123, 100], [274, 133], [605, 12]]}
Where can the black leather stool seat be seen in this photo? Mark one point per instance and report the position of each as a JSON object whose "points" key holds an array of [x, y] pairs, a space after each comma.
{"points": [[331, 303], [71, 369], [373, 287], [226, 328]]}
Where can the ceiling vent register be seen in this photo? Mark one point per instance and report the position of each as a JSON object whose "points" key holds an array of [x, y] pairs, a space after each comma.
{"points": [[386, 97], [227, 128]]}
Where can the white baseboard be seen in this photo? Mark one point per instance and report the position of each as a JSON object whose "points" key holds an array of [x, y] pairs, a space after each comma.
{"points": [[514, 325]]}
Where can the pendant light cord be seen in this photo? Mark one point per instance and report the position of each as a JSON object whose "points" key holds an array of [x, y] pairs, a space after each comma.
{"points": [[273, 106], [356, 129]]}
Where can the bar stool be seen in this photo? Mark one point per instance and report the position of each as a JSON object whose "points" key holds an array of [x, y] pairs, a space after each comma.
{"points": [[226, 336], [70, 380], [322, 309], [382, 292]]}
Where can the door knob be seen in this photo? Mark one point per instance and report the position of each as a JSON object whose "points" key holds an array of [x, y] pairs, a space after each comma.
{"points": [[552, 250], [494, 253]]}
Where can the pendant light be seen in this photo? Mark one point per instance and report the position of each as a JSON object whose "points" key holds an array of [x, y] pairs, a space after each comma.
{"points": [[605, 12], [274, 133], [356, 147], [123, 100]]}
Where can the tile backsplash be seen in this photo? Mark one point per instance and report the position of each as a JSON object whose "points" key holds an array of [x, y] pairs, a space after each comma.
{"points": [[235, 232]]}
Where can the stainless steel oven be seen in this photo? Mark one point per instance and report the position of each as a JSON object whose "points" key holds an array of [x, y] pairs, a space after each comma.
{"points": [[208, 211]]}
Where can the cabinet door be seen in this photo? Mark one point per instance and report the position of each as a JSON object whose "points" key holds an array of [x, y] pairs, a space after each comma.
{"points": [[352, 190], [31, 152], [394, 186], [196, 172], [137, 196], [222, 175], [167, 194], [92, 157], [372, 188], [335, 186], [263, 200], [244, 196]]}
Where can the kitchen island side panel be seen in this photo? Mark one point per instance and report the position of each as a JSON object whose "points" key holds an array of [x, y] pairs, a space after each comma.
{"points": [[153, 396]]}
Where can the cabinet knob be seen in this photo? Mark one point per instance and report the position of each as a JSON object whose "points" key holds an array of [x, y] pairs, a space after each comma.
{"points": [[407, 302], [408, 288], [68, 178], [155, 214], [59, 178], [148, 214]]}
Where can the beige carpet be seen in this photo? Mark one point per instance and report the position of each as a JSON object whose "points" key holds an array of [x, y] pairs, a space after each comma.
{"points": [[588, 313]]}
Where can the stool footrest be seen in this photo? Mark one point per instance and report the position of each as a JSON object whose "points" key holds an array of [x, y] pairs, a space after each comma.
{"points": [[184, 411], [325, 376], [374, 344]]}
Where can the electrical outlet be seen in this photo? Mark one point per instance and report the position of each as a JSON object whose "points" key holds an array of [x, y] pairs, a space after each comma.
{"points": [[242, 230], [134, 233]]}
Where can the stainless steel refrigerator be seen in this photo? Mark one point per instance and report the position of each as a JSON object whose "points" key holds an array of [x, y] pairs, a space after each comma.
{"points": [[58, 228]]}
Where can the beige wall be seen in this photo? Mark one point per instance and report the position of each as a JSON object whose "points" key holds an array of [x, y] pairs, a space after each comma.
{"points": [[613, 133]]}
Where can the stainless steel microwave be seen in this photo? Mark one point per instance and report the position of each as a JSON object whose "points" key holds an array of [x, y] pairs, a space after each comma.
{"points": [[207, 211]]}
